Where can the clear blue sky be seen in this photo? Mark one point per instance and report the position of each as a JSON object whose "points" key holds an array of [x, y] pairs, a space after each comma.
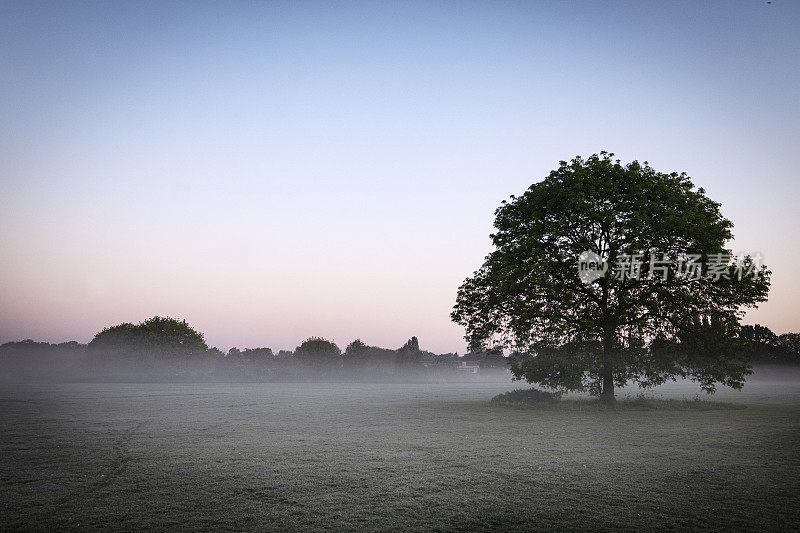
{"points": [[271, 171]]}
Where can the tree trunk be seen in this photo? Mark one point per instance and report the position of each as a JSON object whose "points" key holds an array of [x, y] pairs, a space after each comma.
{"points": [[607, 371], [607, 396]]}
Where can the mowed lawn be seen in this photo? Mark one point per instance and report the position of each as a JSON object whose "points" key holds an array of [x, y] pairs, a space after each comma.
{"points": [[391, 457]]}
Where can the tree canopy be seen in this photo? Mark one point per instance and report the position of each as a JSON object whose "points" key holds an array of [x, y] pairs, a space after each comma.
{"points": [[157, 336], [767, 347], [409, 355], [661, 296], [318, 350]]}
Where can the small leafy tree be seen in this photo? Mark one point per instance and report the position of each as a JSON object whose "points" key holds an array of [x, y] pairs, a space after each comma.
{"points": [[356, 354], [319, 351], [593, 332], [154, 337]]}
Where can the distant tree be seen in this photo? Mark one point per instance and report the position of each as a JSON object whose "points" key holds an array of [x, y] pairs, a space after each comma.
{"points": [[70, 345], [371, 359], [319, 351], [122, 337], [29, 360], [155, 337], [27, 345], [248, 364], [285, 355], [258, 355], [215, 353], [409, 355], [790, 347], [763, 345], [356, 354], [355, 348], [34, 351], [595, 332], [412, 344]]}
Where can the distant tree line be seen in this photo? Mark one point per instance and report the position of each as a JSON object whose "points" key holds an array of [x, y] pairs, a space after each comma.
{"points": [[764, 346], [162, 348], [168, 349]]}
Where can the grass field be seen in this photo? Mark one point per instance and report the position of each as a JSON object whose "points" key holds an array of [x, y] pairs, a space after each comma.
{"points": [[392, 457]]}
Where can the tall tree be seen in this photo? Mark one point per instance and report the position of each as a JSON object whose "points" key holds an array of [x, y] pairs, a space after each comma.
{"points": [[656, 280]]}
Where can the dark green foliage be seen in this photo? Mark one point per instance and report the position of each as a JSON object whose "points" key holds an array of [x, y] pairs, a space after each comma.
{"points": [[530, 397], [355, 348], [156, 337], [592, 336], [124, 359], [252, 364], [253, 356], [559, 366], [319, 351], [258, 354], [357, 354], [149, 352], [409, 355], [360, 355], [762, 343], [790, 347], [709, 350], [31, 361], [31, 348], [764, 346]]}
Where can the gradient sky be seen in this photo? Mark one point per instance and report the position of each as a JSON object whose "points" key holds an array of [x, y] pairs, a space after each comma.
{"points": [[271, 171]]}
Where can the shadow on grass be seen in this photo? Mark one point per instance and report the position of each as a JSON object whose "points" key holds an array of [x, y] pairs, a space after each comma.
{"points": [[537, 399]]}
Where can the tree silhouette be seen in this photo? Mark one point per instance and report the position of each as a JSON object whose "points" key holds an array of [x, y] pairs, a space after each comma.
{"points": [[594, 329], [155, 337], [319, 351]]}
